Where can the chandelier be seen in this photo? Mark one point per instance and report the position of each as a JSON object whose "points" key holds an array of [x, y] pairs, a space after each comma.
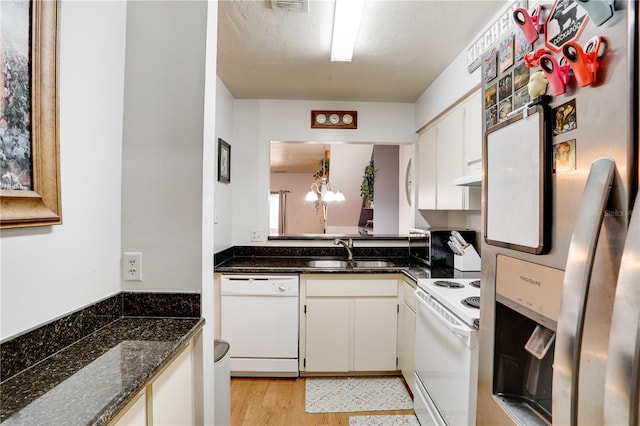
{"points": [[324, 192]]}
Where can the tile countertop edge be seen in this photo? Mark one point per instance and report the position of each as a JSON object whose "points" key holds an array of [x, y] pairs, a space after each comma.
{"points": [[110, 410]]}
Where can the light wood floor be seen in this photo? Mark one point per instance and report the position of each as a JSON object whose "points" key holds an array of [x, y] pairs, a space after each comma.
{"points": [[280, 401]]}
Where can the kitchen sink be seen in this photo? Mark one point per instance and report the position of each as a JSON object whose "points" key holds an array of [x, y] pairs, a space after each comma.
{"points": [[328, 263], [337, 264], [372, 264]]}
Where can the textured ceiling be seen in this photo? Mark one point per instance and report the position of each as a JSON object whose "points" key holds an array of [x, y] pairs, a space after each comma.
{"points": [[402, 47]]}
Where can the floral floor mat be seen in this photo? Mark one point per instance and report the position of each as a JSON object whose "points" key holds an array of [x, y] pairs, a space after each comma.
{"points": [[391, 420], [352, 394]]}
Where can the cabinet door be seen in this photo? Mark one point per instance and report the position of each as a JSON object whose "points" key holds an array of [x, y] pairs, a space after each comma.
{"points": [[135, 414], [427, 169], [327, 335], [172, 392], [375, 334], [473, 128], [450, 160], [407, 344]]}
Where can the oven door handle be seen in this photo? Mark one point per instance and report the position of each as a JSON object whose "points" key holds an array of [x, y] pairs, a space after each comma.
{"points": [[456, 329]]}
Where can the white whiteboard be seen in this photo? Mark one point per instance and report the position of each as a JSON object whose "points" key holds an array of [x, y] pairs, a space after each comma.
{"points": [[515, 172]]}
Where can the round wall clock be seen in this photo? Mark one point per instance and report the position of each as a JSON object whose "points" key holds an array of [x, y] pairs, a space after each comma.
{"points": [[333, 119]]}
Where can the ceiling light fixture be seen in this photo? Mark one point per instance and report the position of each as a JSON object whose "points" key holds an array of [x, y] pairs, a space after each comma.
{"points": [[346, 23], [324, 192]]}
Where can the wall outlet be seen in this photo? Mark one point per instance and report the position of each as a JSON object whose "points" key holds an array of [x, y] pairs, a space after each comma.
{"points": [[256, 235], [132, 266]]}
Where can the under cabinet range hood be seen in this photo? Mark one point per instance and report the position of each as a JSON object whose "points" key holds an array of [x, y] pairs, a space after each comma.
{"points": [[469, 180], [473, 176]]}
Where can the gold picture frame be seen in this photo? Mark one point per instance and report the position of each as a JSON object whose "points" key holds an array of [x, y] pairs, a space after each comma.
{"points": [[42, 205]]}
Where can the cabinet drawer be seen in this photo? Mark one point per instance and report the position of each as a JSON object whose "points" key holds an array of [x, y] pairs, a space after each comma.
{"points": [[352, 287]]}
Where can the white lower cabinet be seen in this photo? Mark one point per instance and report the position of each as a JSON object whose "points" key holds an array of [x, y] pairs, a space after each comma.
{"points": [[407, 333], [172, 396], [169, 398], [135, 413], [349, 323], [327, 334]]}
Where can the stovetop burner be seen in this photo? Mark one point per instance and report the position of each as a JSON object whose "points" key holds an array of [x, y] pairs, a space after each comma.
{"points": [[448, 284], [472, 302], [475, 283]]}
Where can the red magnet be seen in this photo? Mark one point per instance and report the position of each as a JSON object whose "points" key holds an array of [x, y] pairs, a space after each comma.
{"points": [[556, 74], [531, 25], [584, 63], [532, 59]]}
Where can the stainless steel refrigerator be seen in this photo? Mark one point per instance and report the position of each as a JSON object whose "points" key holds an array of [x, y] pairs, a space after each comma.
{"points": [[560, 290]]}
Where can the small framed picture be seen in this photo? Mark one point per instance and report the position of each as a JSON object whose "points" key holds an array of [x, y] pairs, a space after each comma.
{"points": [[564, 156], [506, 53], [491, 116], [490, 96], [520, 76], [521, 98], [522, 47], [505, 87], [224, 161], [504, 108], [489, 65], [565, 117]]}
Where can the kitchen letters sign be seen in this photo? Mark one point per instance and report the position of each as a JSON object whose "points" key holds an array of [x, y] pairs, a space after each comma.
{"points": [[498, 28]]}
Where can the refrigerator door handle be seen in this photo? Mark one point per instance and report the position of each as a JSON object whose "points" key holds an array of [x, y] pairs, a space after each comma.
{"points": [[623, 364], [574, 291]]}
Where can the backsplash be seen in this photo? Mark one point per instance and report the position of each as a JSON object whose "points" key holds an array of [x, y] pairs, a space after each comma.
{"points": [[21, 352], [271, 251]]}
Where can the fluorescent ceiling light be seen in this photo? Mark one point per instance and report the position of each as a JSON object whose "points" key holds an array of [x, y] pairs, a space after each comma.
{"points": [[346, 22]]}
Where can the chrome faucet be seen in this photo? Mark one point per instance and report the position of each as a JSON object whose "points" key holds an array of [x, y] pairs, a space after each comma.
{"points": [[346, 244]]}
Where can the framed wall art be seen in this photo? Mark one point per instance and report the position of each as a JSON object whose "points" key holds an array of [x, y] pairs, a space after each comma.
{"points": [[489, 68], [224, 161], [29, 147], [506, 54]]}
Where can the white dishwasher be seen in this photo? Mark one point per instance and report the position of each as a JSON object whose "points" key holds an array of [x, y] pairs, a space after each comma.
{"points": [[260, 322]]}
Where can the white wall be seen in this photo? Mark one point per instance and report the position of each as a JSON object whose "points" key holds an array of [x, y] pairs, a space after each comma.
{"points": [[347, 170], [224, 130], [386, 197], [448, 88], [257, 122], [163, 134], [47, 272], [406, 206], [208, 311], [301, 216]]}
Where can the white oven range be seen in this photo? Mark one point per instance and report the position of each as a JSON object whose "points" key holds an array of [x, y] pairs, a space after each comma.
{"points": [[446, 354]]}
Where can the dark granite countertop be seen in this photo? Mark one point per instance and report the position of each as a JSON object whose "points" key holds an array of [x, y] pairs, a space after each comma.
{"points": [[298, 264], [88, 382], [293, 259]]}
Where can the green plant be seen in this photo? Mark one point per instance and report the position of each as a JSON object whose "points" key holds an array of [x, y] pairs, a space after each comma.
{"points": [[324, 169], [366, 189]]}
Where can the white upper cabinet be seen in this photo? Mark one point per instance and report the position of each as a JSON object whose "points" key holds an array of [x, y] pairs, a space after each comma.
{"points": [[450, 161], [451, 147], [427, 168], [472, 108]]}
